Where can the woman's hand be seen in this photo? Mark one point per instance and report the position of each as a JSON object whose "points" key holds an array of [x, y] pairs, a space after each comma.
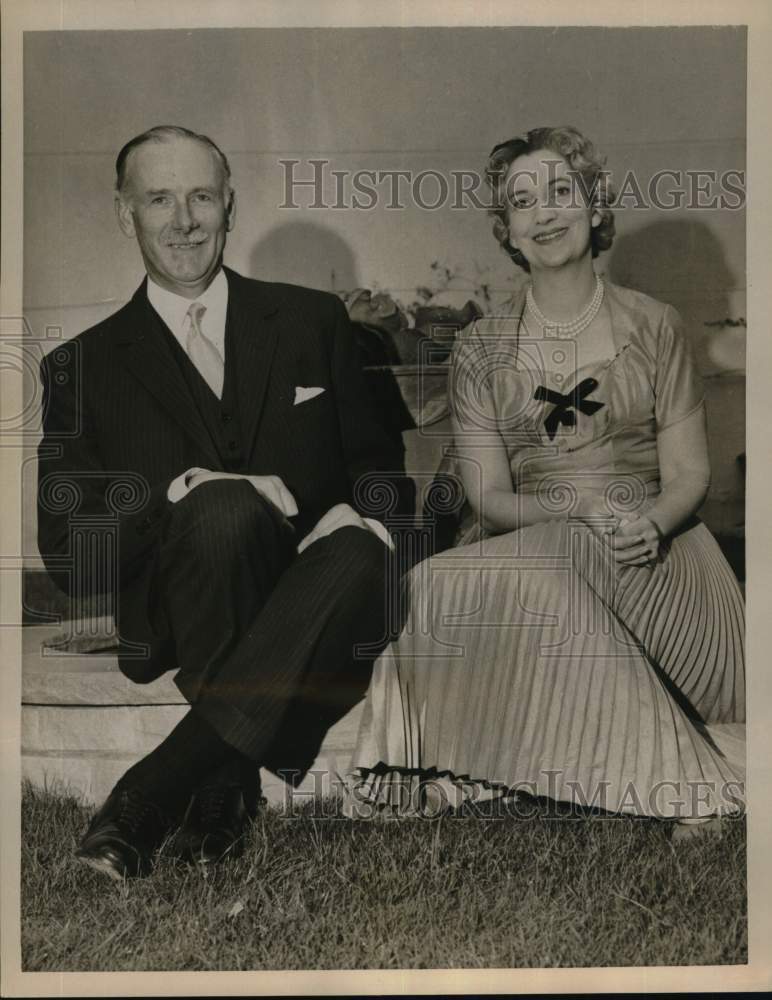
{"points": [[636, 542], [591, 510]]}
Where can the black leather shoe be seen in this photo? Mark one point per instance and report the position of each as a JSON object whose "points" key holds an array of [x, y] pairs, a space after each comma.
{"points": [[214, 826], [123, 835]]}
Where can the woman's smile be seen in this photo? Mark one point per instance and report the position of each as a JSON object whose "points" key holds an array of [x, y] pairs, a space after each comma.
{"points": [[548, 223], [551, 235]]}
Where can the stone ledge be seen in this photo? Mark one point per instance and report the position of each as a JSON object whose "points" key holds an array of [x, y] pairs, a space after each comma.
{"points": [[90, 778], [51, 677], [84, 724]]}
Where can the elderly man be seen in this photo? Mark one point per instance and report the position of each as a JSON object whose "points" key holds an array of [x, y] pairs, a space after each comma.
{"points": [[246, 563]]}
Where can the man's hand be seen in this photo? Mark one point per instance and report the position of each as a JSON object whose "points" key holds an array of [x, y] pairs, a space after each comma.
{"points": [[270, 487], [340, 516], [636, 542]]}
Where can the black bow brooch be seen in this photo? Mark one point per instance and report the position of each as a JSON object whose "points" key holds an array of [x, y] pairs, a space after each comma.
{"points": [[566, 403]]}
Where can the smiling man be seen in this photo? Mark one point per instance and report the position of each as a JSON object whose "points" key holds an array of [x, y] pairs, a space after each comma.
{"points": [[238, 411]]}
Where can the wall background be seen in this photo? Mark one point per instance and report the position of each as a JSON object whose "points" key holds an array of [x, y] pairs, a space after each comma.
{"points": [[383, 98]]}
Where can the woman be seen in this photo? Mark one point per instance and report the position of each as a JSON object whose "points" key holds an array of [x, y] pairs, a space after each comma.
{"points": [[586, 643]]}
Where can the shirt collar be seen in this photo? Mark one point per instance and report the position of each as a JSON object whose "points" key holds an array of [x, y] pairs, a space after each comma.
{"points": [[173, 308]]}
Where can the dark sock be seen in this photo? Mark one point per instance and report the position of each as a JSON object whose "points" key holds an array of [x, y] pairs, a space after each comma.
{"points": [[236, 770], [171, 772], [240, 771]]}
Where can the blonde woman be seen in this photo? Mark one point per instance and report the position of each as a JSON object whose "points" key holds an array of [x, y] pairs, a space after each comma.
{"points": [[586, 643]]}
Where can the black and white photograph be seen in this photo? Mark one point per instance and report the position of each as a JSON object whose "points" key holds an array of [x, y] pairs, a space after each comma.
{"points": [[383, 498]]}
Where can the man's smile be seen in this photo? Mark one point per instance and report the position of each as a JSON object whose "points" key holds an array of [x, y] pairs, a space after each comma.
{"points": [[185, 246]]}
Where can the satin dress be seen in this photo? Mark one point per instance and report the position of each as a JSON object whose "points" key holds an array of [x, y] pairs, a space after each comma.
{"points": [[531, 660]]}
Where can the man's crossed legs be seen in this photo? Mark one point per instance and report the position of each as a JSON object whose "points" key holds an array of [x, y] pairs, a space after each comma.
{"points": [[254, 625]]}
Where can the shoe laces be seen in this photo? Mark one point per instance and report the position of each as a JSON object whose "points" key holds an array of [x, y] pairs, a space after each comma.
{"points": [[135, 810], [211, 802]]}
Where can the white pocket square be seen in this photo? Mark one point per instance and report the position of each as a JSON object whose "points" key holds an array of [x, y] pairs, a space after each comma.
{"points": [[305, 392]]}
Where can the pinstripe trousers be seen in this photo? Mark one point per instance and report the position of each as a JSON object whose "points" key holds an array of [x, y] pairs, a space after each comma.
{"points": [[268, 641]]}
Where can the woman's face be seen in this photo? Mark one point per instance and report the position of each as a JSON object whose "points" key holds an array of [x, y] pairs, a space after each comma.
{"points": [[549, 221]]}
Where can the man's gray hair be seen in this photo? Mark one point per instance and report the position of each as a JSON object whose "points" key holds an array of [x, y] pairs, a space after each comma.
{"points": [[165, 133]]}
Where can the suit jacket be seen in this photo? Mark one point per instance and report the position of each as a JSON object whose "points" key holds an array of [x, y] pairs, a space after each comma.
{"points": [[120, 423]]}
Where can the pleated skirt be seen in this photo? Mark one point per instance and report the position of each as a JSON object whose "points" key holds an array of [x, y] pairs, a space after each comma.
{"points": [[531, 661]]}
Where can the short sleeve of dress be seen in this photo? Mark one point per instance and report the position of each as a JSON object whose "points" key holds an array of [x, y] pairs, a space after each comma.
{"points": [[678, 387], [470, 389], [474, 414]]}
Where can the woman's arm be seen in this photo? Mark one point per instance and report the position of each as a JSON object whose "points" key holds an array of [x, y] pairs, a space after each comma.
{"points": [[684, 467], [682, 447], [682, 443], [487, 478], [482, 456], [684, 472]]}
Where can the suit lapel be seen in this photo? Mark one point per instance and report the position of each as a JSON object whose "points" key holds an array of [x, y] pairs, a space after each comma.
{"points": [[148, 357], [252, 328]]}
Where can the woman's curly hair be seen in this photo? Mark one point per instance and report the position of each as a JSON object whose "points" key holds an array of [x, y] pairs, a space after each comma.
{"points": [[581, 157]]}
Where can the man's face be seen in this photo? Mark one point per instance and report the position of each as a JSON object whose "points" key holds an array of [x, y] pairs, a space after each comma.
{"points": [[177, 203]]}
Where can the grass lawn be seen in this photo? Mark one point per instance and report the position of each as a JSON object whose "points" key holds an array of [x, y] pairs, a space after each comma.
{"points": [[331, 893]]}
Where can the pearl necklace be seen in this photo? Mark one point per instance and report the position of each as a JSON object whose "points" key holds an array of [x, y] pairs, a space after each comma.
{"points": [[574, 326]]}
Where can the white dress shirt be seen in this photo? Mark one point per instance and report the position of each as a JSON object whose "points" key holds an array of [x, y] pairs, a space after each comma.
{"points": [[173, 310]]}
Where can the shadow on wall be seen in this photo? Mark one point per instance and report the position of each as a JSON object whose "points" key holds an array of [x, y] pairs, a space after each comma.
{"points": [[679, 257], [305, 253], [681, 262]]}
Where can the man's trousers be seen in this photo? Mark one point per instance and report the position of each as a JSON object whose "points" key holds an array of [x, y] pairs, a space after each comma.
{"points": [[272, 646]]}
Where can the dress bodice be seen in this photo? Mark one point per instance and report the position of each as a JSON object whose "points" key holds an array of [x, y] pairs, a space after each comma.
{"points": [[506, 388]]}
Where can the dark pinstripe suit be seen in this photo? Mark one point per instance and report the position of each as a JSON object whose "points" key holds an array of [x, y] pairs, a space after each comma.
{"points": [[212, 584]]}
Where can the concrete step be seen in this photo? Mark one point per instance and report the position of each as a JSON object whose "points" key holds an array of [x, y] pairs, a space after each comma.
{"points": [[84, 723]]}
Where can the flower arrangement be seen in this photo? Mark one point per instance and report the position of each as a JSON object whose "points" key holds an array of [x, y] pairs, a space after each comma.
{"points": [[391, 332]]}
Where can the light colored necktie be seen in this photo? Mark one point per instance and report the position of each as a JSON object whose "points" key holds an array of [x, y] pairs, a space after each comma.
{"points": [[203, 353]]}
